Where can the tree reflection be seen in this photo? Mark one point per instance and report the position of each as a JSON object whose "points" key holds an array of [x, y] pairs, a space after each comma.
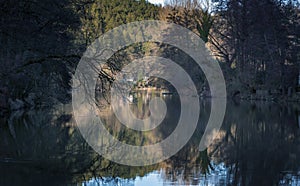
{"points": [[258, 145]]}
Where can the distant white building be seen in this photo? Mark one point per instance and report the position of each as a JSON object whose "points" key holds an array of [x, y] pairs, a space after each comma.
{"points": [[130, 80]]}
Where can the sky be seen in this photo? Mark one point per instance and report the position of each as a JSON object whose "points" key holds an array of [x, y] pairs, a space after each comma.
{"points": [[157, 1]]}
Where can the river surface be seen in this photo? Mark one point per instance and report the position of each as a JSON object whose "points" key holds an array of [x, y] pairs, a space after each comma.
{"points": [[258, 144]]}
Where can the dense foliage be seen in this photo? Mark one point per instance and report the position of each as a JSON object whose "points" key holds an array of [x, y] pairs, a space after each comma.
{"points": [[259, 40], [256, 42]]}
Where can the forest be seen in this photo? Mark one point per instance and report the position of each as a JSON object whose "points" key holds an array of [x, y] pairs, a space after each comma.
{"points": [[255, 42]]}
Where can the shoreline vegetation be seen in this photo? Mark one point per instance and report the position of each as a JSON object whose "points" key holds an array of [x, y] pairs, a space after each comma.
{"points": [[266, 96]]}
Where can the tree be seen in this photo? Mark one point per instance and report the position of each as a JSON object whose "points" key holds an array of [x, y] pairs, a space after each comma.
{"points": [[36, 53], [100, 16], [253, 37]]}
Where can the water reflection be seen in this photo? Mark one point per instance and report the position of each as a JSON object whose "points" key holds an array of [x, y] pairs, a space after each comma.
{"points": [[258, 144]]}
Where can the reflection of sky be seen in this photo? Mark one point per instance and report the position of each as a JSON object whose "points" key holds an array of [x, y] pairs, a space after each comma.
{"points": [[156, 178], [151, 179], [157, 1], [219, 177]]}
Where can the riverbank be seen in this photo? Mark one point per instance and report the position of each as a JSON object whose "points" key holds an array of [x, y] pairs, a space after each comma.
{"points": [[268, 97]]}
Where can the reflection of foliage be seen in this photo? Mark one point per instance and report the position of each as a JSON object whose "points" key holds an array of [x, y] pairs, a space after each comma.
{"points": [[255, 147], [258, 143], [40, 141], [205, 162]]}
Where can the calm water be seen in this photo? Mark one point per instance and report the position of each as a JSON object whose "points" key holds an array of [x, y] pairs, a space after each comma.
{"points": [[258, 144]]}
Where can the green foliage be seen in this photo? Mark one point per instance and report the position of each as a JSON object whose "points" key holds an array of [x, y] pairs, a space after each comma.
{"points": [[101, 16], [204, 23]]}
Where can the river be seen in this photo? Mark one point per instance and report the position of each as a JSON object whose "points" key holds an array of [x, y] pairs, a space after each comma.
{"points": [[258, 144]]}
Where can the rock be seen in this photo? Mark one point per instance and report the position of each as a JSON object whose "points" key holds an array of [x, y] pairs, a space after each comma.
{"points": [[11, 122], [16, 105], [237, 94]]}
